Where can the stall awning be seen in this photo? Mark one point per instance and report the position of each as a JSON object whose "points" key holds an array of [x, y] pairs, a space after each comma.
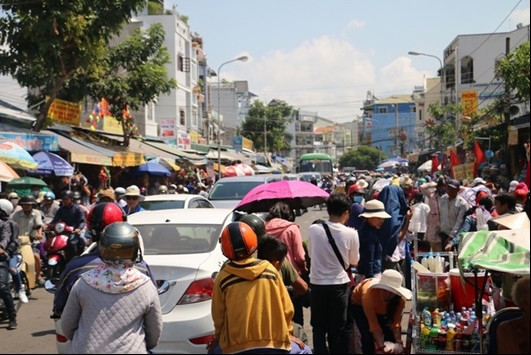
{"points": [[151, 152], [81, 154], [120, 155], [28, 139], [228, 157], [194, 159]]}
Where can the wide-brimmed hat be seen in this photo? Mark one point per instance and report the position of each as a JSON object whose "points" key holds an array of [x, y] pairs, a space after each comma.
{"points": [[133, 190], [374, 208], [391, 280], [363, 183], [107, 193]]}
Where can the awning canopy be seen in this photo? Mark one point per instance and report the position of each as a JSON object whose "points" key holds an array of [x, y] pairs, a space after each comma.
{"points": [[151, 152], [81, 154], [194, 159], [28, 139], [120, 155]]}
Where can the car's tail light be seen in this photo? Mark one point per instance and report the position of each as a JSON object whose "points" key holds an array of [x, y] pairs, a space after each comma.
{"points": [[198, 291], [202, 340]]}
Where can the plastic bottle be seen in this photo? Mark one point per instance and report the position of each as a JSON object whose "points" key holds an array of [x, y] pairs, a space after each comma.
{"points": [[438, 263], [431, 262], [434, 335], [424, 336], [450, 334], [424, 261], [436, 318], [426, 317]]}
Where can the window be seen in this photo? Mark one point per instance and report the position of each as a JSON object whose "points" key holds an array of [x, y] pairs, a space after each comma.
{"points": [[182, 118], [382, 109], [467, 70], [183, 64]]}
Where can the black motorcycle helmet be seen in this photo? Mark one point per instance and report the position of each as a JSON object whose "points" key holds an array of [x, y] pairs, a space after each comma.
{"points": [[28, 200], [101, 215], [67, 194], [256, 223], [119, 242]]}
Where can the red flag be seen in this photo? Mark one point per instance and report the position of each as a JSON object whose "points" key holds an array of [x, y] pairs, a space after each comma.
{"points": [[454, 160], [434, 164], [480, 157]]}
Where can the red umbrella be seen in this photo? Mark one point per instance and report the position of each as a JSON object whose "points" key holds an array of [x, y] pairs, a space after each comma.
{"points": [[296, 193]]}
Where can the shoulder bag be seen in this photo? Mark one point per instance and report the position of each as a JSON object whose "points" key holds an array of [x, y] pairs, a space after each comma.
{"points": [[339, 257]]}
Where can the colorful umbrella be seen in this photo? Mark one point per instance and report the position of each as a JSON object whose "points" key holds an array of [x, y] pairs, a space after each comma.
{"points": [[26, 182], [50, 163], [16, 156], [7, 173], [152, 168], [499, 250], [296, 193]]}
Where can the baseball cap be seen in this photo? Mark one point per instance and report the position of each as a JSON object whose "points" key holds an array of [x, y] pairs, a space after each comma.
{"points": [[454, 183], [119, 191]]}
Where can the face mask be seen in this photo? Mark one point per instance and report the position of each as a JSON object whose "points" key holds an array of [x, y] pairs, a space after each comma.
{"points": [[35, 193], [358, 199]]}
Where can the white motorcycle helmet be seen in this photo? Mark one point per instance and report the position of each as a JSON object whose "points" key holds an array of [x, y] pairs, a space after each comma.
{"points": [[6, 208]]}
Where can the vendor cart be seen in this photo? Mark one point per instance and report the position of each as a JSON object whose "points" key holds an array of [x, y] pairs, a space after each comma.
{"points": [[480, 253]]}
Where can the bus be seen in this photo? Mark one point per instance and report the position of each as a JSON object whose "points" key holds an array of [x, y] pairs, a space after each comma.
{"points": [[316, 162]]}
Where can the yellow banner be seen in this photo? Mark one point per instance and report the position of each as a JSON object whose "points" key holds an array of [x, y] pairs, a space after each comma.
{"points": [[111, 125], [127, 159], [469, 100], [247, 143], [66, 112]]}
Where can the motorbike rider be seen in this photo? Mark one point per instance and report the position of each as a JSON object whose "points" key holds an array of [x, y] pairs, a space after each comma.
{"points": [[100, 216], [49, 206], [13, 249], [71, 214], [30, 226], [5, 292]]}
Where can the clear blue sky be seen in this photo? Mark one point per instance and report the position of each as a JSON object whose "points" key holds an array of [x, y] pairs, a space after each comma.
{"points": [[323, 56]]}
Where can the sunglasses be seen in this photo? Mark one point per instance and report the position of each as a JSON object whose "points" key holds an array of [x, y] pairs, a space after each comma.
{"points": [[132, 197]]}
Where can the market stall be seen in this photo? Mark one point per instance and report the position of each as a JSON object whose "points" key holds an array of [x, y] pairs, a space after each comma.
{"points": [[451, 308]]}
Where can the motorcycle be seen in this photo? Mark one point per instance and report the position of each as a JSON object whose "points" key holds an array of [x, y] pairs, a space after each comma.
{"points": [[61, 246], [23, 279]]}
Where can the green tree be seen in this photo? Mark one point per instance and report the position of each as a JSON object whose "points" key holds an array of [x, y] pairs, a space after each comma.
{"points": [[276, 116], [363, 158], [45, 44], [134, 74], [514, 70], [444, 131]]}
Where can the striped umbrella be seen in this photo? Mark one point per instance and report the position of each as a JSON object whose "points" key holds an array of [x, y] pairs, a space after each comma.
{"points": [[498, 250]]}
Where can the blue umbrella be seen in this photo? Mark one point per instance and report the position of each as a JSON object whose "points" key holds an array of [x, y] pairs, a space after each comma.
{"points": [[152, 168], [50, 163]]}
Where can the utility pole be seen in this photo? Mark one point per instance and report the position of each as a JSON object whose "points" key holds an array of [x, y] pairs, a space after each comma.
{"points": [[506, 112]]}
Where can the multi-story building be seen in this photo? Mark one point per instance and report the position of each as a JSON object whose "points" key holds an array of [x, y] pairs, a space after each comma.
{"points": [[178, 114]]}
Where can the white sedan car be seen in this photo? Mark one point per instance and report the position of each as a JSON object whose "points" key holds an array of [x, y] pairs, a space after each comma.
{"points": [[172, 201], [181, 247]]}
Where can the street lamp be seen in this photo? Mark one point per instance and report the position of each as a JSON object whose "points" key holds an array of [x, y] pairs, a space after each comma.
{"points": [[241, 59], [441, 67]]}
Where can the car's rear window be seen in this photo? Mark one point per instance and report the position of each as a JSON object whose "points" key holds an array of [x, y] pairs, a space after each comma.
{"points": [[161, 205], [163, 239], [232, 190]]}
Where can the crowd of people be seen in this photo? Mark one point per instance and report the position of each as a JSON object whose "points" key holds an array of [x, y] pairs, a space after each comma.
{"points": [[354, 269]]}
